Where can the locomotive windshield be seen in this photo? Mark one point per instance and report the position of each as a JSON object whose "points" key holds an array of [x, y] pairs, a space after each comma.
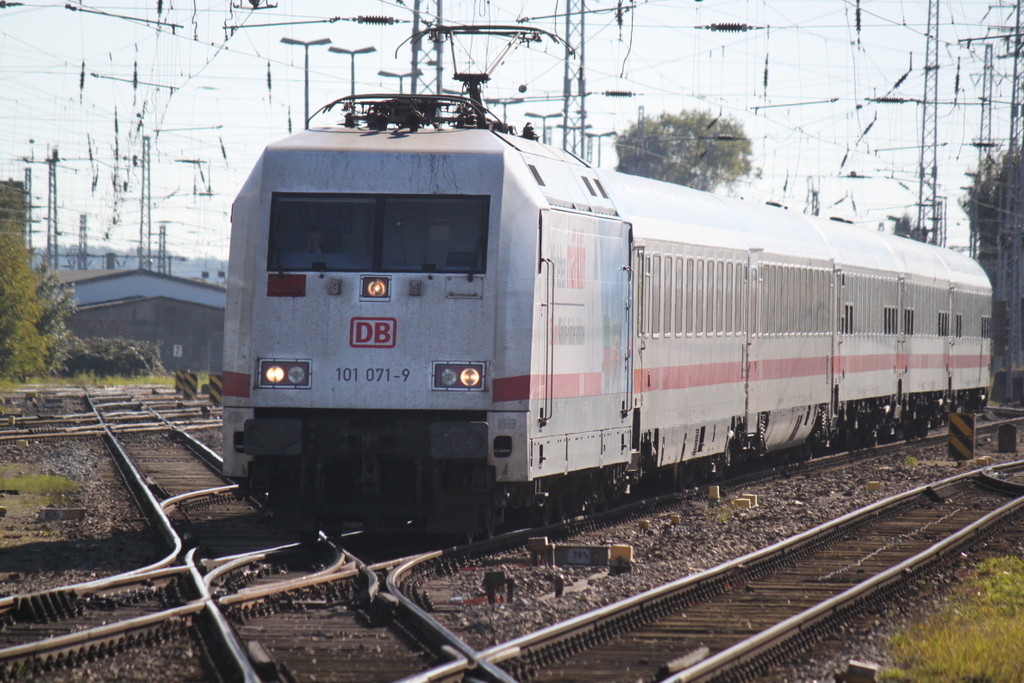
{"points": [[397, 233]]}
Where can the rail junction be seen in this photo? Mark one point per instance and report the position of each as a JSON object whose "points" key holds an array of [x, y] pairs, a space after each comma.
{"points": [[232, 599]]}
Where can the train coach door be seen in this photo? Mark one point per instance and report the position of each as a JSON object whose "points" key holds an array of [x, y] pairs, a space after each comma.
{"points": [[641, 281]]}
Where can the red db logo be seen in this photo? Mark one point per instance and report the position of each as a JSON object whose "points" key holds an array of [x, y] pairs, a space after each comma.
{"points": [[372, 332]]}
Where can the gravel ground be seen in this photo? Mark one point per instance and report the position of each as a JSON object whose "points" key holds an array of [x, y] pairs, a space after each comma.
{"points": [[112, 538], [707, 536], [212, 437]]}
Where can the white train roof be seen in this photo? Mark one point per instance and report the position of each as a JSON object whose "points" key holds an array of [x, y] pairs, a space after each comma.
{"points": [[663, 211]]}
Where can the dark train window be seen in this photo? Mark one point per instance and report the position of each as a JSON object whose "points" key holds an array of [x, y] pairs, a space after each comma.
{"points": [[411, 233], [943, 327], [668, 295], [986, 327], [680, 294], [959, 325]]}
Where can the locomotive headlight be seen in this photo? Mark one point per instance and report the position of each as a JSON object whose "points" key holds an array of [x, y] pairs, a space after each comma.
{"points": [[470, 377], [284, 374], [459, 376], [375, 287], [296, 374]]}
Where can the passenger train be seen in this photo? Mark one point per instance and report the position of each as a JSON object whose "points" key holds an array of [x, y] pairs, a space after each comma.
{"points": [[432, 321]]}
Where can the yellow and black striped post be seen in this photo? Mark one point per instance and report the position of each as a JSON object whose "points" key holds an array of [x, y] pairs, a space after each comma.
{"points": [[179, 381], [190, 385], [961, 436], [216, 389]]}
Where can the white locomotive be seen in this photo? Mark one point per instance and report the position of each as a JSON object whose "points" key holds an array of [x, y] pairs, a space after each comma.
{"points": [[431, 321]]}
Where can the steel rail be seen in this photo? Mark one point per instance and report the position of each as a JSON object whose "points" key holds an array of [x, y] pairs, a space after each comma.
{"points": [[435, 629], [748, 564], [760, 644]]}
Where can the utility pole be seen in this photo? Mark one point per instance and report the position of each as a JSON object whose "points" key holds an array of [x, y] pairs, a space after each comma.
{"points": [[82, 261], [929, 216], [52, 225], [145, 211], [1007, 296], [162, 261], [574, 84], [421, 82], [641, 143], [28, 210], [983, 143]]}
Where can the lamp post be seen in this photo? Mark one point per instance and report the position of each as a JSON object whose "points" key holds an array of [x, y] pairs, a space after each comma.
{"points": [[543, 124], [352, 54], [599, 136], [401, 78], [306, 44]]}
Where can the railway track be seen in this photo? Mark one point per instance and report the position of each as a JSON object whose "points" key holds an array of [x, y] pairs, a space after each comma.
{"points": [[732, 622]]}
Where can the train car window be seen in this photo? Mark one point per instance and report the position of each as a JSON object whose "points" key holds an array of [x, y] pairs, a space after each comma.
{"points": [[690, 294], [741, 297], [986, 327], [336, 233], [668, 295], [729, 298], [720, 298], [679, 296], [959, 325], [943, 327], [699, 298], [656, 295], [600, 188], [412, 233], [709, 321]]}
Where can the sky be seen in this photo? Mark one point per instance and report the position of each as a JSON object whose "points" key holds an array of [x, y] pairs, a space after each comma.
{"points": [[211, 85]]}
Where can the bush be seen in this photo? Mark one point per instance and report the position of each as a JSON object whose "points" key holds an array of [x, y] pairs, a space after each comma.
{"points": [[112, 357]]}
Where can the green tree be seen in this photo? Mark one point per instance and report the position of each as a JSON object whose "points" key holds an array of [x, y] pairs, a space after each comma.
{"points": [[56, 303], [981, 203], [23, 349], [692, 148]]}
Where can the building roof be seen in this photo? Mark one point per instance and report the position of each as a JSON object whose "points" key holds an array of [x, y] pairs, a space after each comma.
{"points": [[102, 286]]}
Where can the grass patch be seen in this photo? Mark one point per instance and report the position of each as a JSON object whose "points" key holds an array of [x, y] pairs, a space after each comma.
{"points": [[87, 379], [910, 461], [53, 490], [976, 637]]}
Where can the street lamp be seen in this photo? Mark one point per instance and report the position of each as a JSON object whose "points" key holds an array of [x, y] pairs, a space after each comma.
{"points": [[543, 124], [352, 54], [599, 135], [306, 44], [401, 78]]}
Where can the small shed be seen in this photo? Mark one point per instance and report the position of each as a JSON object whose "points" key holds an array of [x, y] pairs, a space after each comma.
{"points": [[186, 317]]}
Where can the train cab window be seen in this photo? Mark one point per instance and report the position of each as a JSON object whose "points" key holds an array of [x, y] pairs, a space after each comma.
{"points": [[600, 188], [590, 188], [424, 234], [401, 233]]}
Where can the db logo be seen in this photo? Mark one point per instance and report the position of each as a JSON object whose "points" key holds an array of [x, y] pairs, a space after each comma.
{"points": [[372, 332]]}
